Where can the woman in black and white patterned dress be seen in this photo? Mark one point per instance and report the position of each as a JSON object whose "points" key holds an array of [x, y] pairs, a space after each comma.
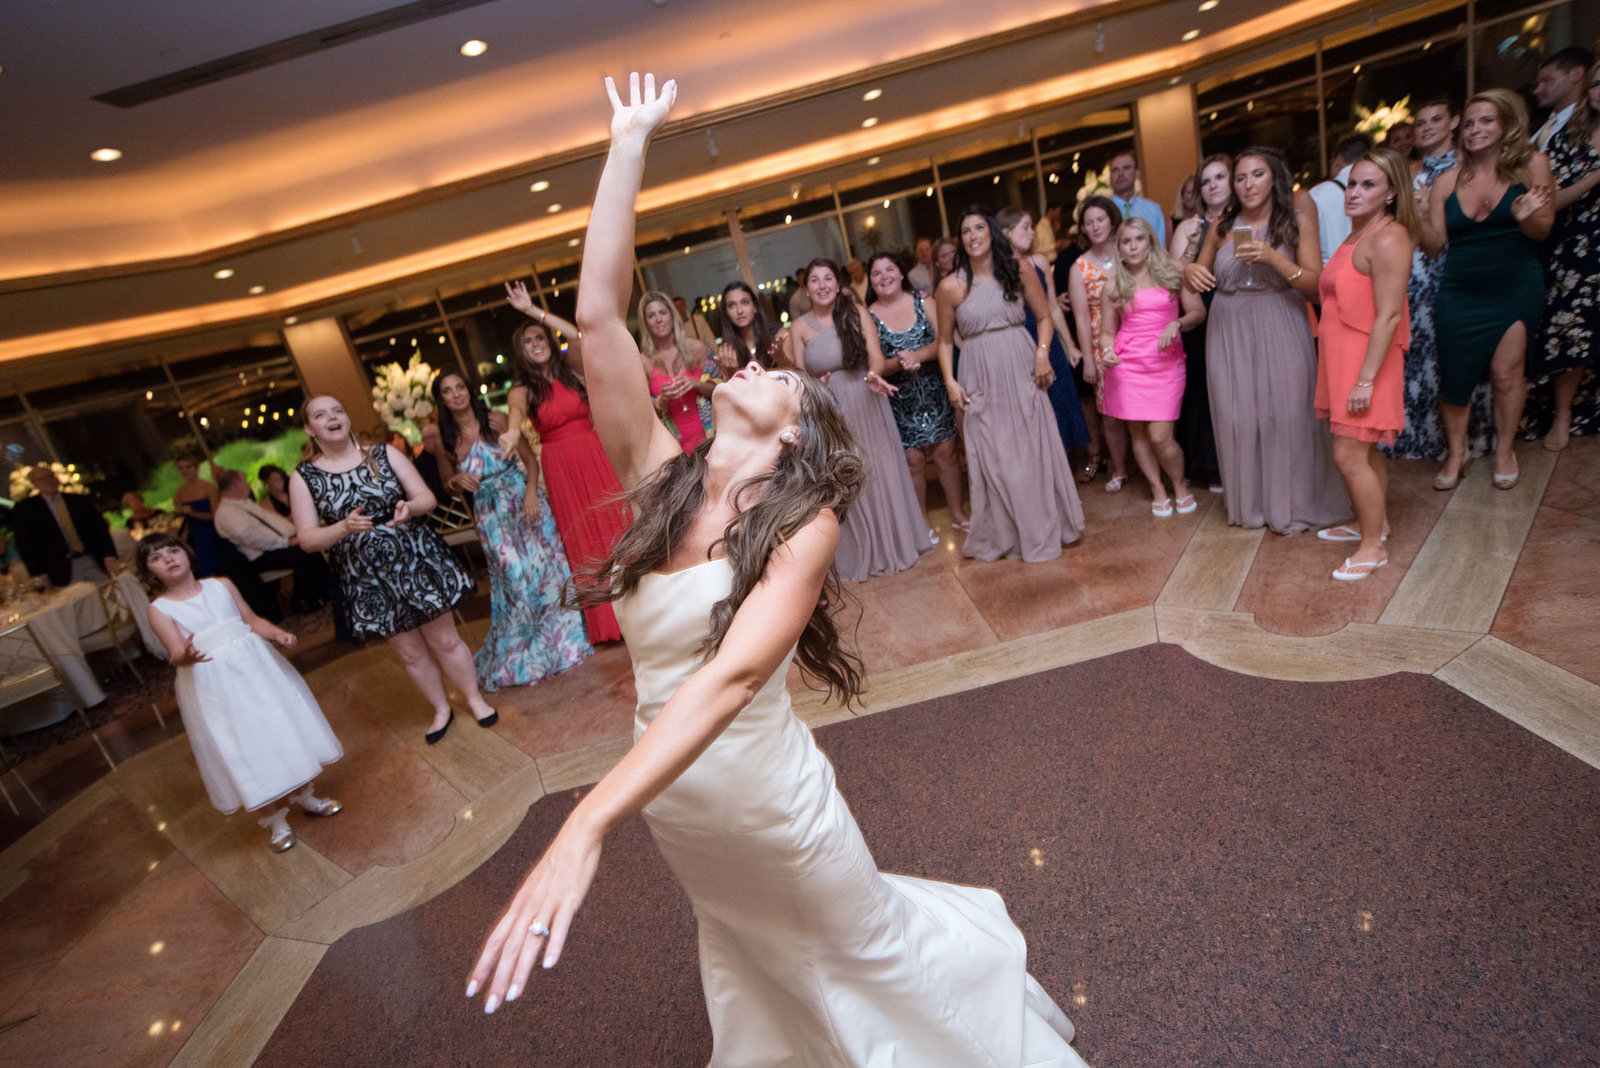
{"points": [[366, 507], [922, 411]]}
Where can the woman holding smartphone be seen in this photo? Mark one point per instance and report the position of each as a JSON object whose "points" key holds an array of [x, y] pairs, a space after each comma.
{"points": [[1263, 260]]}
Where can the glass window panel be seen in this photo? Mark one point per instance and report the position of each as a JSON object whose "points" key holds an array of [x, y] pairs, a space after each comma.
{"points": [[776, 255], [20, 444], [1286, 121], [695, 277], [111, 389], [117, 446], [888, 226], [1357, 100], [806, 207], [984, 160], [675, 243], [11, 407], [1257, 83], [877, 188], [559, 276], [215, 363], [370, 322], [1118, 121], [484, 338], [1435, 28], [1510, 51]]}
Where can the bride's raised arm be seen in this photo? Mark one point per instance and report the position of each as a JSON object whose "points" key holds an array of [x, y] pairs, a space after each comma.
{"points": [[635, 441]]}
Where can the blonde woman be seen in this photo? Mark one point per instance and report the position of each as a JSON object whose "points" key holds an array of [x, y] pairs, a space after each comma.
{"points": [[1492, 211], [1143, 307], [673, 361]]}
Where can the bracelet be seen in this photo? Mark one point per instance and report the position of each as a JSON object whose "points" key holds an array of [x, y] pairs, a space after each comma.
{"points": [[1296, 276], [1364, 385]]}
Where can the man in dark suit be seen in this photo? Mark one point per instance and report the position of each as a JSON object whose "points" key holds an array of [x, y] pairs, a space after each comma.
{"points": [[61, 534]]}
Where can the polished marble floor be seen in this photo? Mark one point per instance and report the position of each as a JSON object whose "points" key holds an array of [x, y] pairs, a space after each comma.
{"points": [[140, 927]]}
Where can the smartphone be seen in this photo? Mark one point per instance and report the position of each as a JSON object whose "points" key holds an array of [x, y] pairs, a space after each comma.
{"points": [[1242, 236]]}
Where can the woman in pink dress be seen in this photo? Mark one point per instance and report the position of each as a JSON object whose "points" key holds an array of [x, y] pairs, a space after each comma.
{"points": [[674, 361], [1142, 309], [1366, 327]]}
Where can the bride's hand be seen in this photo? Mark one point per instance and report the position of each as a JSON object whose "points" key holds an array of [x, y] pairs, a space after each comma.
{"points": [[546, 903], [644, 113]]}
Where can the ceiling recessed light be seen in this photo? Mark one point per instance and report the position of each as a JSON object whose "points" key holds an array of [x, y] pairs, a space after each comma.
{"points": [[873, 162], [1191, 35], [474, 48], [539, 187], [552, 209], [1208, 5], [867, 124], [256, 291], [872, 94], [222, 273], [106, 155]]}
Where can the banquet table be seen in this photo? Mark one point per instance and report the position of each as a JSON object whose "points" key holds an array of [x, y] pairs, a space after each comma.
{"points": [[59, 620]]}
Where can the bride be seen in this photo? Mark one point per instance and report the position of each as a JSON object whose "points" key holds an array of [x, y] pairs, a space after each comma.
{"points": [[808, 954]]}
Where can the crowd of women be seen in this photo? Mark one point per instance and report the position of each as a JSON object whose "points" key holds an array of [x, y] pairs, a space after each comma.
{"points": [[1238, 357]]}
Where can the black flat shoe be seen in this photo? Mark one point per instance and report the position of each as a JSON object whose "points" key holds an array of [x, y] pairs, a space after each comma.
{"points": [[490, 720], [432, 737]]}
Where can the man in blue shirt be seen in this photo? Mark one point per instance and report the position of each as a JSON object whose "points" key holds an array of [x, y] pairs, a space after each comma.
{"points": [[1124, 178]]}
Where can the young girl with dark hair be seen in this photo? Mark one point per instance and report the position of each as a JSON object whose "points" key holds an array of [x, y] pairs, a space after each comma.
{"points": [[531, 634], [746, 333], [256, 731], [809, 955]]}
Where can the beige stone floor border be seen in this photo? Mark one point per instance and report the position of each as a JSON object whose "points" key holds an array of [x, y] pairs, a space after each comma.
{"points": [[1558, 706], [238, 1026]]}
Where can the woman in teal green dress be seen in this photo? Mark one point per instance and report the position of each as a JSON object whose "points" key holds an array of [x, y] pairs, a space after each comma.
{"points": [[532, 635], [1492, 211]]}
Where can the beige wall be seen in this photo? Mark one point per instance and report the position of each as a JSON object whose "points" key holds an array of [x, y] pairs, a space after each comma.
{"points": [[1168, 143], [327, 364]]}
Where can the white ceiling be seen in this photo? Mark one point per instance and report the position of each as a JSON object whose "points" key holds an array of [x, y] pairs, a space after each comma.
{"points": [[332, 165]]}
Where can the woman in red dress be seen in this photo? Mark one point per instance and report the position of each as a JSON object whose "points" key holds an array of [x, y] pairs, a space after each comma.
{"points": [[585, 496], [1366, 327]]}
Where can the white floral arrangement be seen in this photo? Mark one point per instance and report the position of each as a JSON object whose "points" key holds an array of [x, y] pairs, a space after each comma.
{"points": [[1099, 183], [66, 474], [1384, 117], [401, 396]]}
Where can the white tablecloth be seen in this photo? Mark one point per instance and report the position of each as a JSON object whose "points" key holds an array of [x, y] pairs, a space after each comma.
{"points": [[61, 618]]}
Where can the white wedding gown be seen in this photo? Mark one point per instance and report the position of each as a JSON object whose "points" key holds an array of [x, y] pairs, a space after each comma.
{"points": [[808, 954]]}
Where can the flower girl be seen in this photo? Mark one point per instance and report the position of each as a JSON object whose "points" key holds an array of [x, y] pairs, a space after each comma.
{"points": [[256, 731]]}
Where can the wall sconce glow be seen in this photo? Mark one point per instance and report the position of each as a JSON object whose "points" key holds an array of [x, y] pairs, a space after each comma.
{"points": [[867, 124], [787, 219], [886, 203], [552, 209], [149, 394], [474, 48], [106, 155], [1191, 35], [1209, 5], [871, 95], [575, 242], [222, 274], [290, 321], [539, 187], [256, 291], [873, 162]]}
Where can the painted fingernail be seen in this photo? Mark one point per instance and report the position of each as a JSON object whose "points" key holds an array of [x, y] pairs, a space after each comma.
{"points": [[490, 1004], [472, 988], [511, 995]]}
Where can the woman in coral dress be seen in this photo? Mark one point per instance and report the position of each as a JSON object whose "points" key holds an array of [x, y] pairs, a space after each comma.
{"points": [[1365, 329], [585, 496]]}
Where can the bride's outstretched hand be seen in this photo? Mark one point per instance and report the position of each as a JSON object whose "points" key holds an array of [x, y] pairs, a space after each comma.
{"points": [[644, 112], [537, 918]]}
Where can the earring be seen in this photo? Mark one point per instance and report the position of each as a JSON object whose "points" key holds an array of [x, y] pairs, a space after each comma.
{"points": [[787, 437]]}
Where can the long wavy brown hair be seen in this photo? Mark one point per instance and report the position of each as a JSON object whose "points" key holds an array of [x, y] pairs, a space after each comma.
{"points": [[846, 316], [1516, 149], [536, 378], [824, 468], [1283, 226]]}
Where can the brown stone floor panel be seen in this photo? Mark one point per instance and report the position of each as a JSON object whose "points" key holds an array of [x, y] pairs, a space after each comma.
{"points": [[76, 882], [592, 702], [1552, 606], [1209, 868], [1291, 590], [135, 987]]}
